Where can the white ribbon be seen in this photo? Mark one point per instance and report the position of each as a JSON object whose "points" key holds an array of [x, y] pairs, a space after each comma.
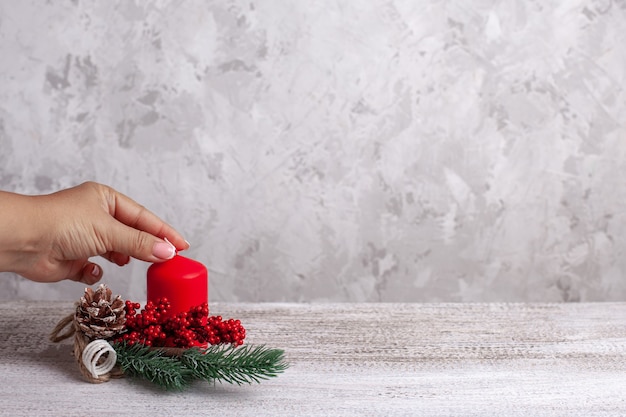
{"points": [[92, 354]]}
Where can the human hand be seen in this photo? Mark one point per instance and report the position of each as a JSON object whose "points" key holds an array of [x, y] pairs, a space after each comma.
{"points": [[51, 237]]}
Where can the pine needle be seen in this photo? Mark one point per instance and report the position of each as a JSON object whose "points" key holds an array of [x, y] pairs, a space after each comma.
{"points": [[152, 365], [237, 365], [224, 363]]}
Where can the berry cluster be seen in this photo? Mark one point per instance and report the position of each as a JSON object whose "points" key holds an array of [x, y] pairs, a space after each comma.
{"points": [[152, 327]]}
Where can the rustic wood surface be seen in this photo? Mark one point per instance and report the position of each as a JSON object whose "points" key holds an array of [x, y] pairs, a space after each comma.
{"points": [[354, 359]]}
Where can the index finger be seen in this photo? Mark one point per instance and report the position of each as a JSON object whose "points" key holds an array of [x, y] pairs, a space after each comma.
{"points": [[133, 214]]}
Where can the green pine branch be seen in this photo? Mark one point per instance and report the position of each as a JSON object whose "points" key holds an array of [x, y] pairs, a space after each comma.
{"points": [[223, 363], [151, 365], [240, 365]]}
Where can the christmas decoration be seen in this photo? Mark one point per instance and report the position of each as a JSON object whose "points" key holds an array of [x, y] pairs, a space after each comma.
{"points": [[154, 326], [112, 339], [99, 315], [223, 363], [183, 281]]}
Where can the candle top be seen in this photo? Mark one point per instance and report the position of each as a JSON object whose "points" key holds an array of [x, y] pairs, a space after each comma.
{"points": [[178, 267]]}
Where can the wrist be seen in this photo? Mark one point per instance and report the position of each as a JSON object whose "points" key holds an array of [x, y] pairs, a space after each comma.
{"points": [[19, 234]]}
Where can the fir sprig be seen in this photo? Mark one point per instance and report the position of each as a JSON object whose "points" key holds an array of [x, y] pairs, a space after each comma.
{"points": [[240, 365], [152, 365]]}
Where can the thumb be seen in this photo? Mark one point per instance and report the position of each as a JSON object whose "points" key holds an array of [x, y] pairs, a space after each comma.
{"points": [[139, 244]]}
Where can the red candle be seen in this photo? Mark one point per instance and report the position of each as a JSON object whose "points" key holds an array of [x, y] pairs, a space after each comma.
{"points": [[183, 281]]}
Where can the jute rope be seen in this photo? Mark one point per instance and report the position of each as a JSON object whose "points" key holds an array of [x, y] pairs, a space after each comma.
{"points": [[94, 366]]}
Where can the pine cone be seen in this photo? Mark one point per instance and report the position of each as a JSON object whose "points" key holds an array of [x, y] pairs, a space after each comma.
{"points": [[98, 315]]}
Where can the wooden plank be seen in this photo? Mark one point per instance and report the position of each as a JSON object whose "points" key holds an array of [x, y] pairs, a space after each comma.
{"points": [[356, 359]]}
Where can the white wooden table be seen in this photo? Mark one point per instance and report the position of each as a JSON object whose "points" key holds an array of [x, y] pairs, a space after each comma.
{"points": [[354, 359]]}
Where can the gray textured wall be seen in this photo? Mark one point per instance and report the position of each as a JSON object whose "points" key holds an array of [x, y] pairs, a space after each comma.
{"points": [[418, 150]]}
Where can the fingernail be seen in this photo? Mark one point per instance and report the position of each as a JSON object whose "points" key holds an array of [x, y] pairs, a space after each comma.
{"points": [[95, 271], [188, 244], [164, 250]]}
